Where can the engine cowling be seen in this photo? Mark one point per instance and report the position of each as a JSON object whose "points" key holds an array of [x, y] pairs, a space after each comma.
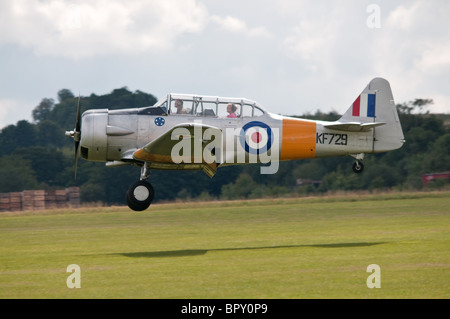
{"points": [[94, 141]]}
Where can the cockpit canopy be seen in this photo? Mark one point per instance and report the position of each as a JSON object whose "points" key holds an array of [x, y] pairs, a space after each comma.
{"points": [[209, 106]]}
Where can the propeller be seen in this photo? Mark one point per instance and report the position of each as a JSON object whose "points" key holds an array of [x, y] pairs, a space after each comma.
{"points": [[76, 134]]}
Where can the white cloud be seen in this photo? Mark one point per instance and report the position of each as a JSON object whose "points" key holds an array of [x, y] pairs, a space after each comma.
{"points": [[416, 51], [336, 46], [104, 27], [230, 23], [404, 17], [425, 22], [234, 24], [435, 59], [312, 36], [441, 103], [88, 28]]}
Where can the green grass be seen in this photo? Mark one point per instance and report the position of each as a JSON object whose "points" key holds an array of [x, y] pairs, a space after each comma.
{"points": [[280, 248]]}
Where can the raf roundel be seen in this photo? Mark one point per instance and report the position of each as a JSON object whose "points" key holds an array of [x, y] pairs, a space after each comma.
{"points": [[160, 121], [256, 137]]}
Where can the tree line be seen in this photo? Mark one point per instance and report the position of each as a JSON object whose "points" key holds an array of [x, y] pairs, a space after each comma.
{"points": [[37, 155]]}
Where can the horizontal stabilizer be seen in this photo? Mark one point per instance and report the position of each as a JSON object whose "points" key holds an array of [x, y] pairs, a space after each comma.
{"points": [[353, 126]]}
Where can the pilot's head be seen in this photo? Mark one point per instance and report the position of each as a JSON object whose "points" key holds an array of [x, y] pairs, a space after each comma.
{"points": [[231, 108], [178, 104]]}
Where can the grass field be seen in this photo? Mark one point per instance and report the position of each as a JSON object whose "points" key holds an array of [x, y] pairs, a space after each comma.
{"points": [[281, 248]]}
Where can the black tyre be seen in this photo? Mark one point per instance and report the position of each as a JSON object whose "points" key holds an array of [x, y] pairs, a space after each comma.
{"points": [[358, 167], [140, 196]]}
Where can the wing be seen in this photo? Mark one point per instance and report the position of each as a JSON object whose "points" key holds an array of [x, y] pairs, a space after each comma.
{"points": [[186, 147], [353, 126]]}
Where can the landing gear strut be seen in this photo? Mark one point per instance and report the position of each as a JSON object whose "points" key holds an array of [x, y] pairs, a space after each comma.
{"points": [[140, 194]]}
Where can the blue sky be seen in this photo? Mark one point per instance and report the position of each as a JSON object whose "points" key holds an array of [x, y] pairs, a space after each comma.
{"points": [[292, 56]]}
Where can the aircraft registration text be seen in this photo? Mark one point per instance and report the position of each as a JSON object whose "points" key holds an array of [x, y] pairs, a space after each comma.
{"points": [[332, 138]]}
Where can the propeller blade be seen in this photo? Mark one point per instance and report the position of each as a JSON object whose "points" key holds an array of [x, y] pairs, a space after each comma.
{"points": [[78, 123], [77, 134], [77, 144]]}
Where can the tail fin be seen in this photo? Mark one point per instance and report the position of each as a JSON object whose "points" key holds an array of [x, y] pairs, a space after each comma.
{"points": [[375, 109]]}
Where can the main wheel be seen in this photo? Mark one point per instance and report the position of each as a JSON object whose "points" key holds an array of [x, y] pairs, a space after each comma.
{"points": [[140, 195], [358, 167]]}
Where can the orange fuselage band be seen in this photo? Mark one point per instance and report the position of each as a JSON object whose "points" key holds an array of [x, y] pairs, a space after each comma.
{"points": [[299, 139]]}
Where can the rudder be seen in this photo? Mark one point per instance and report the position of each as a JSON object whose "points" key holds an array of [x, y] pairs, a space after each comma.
{"points": [[376, 105]]}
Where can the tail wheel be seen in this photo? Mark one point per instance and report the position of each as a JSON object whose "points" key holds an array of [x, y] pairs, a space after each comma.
{"points": [[140, 195], [358, 167]]}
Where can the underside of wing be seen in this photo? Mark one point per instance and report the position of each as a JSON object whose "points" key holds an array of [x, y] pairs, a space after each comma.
{"points": [[353, 126], [184, 147]]}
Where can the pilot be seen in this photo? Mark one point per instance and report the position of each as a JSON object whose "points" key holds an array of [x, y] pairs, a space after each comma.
{"points": [[231, 109], [179, 106]]}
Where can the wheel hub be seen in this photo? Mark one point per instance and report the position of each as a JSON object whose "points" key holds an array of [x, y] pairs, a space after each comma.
{"points": [[141, 193]]}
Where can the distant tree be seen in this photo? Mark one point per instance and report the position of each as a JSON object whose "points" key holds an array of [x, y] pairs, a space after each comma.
{"points": [[16, 175], [339, 179], [421, 104], [93, 192], [42, 111], [309, 169], [242, 188], [379, 175], [50, 134], [417, 106], [438, 158], [23, 134], [47, 164], [65, 94], [7, 140], [26, 134], [64, 113]]}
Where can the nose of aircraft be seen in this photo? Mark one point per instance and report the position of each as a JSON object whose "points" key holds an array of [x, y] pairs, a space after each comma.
{"points": [[94, 141]]}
